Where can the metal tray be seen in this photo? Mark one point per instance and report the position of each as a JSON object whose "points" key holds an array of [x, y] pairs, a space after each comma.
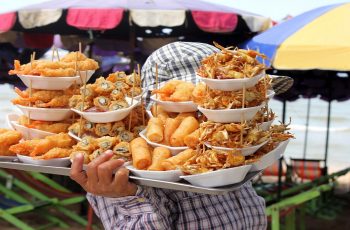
{"points": [[182, 185]]}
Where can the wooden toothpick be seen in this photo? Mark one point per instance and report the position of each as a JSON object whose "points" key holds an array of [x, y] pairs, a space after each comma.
{"points": [[156, 89]]}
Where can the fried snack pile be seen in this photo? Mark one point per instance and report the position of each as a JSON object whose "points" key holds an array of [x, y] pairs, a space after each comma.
{"points": [[263, 116], [113, 129], [231, 64], [91, 148], [55, 146], [176, 91], [105, 95], [171, 131], [217, 99], [211, 160], [125, 83], [48, 126], [280, 132], [66, 67], [229, 135], [44, 98], [7, 139]]}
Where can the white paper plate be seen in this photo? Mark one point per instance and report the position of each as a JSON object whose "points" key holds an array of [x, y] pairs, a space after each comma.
{"points": [[49, 83], [270, 158], [245, 151], [8, 158], [265, 126], [173, 150], [171, 175], [109, 116], [26, 132], [230, 115], [44, 114], [58, 162], [219, 177], [177, 107], [231, 84]]}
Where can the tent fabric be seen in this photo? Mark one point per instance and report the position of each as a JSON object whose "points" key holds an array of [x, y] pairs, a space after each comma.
{"points": [[96, 19], [216, 22], [153, 18], [257, 23], [7, 21], [321, 44], [32, 19], [269, 41]]}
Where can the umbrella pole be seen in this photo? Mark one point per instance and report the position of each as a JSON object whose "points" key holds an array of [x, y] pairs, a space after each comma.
{"points": [[279, 188], [307, 127], [327, 137]]}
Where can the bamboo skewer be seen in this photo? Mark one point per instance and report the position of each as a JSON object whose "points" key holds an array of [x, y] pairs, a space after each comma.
{"points": [[243, 105], [141, 99], [156, 111], [53, 53], [132, 99]]}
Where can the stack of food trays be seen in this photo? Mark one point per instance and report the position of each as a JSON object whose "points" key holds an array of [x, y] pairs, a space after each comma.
{"points": [[216, 148]]}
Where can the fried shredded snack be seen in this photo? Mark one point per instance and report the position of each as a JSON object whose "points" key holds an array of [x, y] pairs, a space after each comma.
{"points": [[231, 64], [211, 160], [217, 99]]}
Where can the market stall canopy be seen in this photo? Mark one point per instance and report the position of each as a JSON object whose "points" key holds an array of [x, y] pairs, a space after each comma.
{"points": [[208, 15], [317, 39]]}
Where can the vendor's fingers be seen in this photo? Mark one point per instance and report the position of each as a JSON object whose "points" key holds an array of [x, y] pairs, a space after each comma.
{"points": [[76, 172], [106, 169], [91, 170], [121, 179]]}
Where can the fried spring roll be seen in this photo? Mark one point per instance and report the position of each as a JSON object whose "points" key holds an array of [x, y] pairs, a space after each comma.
{"points": [[182, 116], [192, 140], [187, 126], [172, 162], [155, 130], [158, 156], [171, 125], [141, 155]]}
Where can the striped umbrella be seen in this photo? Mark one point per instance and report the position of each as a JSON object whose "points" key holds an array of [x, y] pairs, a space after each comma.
{"points": [[317, 39]]}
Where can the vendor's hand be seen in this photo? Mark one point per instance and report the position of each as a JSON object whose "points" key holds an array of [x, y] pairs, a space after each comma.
{"points": [[99, 179]]}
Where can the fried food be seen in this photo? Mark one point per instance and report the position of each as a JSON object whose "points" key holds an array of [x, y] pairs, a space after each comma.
{"points": [[158, 156], [66, 67], [174, 162], [61, 140], [217, 99], [25, 147], [231, 64], [175, 90], [211, 160], [141, 155], [48, 126], [55, 153], [155, 130], [8, 138], [187, 126]]}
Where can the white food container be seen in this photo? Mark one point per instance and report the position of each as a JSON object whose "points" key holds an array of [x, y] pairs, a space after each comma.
{"points": [[177, 107], [173, 150], [44, 114], [270, 94], [109, 116], [270, 158], [265, 126], [245, 151], [219, 177], [171, 175], [27, 133], [58, 162], [230, 115], [232, 84], [75, 137], [85, 75], [49, 83]]}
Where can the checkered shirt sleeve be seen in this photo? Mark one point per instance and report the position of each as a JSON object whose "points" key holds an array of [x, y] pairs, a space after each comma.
{"points": [[153, 208]]}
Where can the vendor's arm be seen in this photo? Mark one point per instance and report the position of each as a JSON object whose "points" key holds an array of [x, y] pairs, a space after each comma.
{"points": [[99, 178]]}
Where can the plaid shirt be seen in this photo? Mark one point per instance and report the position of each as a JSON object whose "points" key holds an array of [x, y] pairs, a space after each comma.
{"points": [[154, 208]]}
